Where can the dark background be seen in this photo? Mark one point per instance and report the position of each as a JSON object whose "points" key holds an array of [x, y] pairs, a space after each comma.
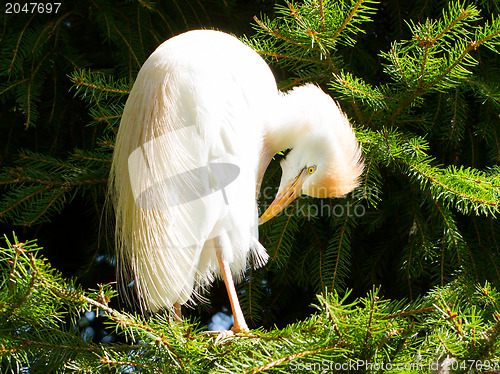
{"points": [[77, 237]]}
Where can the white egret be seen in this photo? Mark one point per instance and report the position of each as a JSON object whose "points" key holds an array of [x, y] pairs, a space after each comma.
{"points": [[201, 124]]}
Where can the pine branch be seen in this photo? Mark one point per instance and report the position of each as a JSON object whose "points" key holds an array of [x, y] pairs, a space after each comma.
{"points": [[351, 87], [363, 330], [98, 86], [466, 189], [40, 185]]}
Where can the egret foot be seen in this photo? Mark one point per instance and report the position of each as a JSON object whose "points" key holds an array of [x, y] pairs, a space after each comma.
{"points": [[223, 335], [235, 330]]}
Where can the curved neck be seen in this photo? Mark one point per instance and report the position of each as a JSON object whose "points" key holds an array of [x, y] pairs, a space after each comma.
{"points": [[287, 123]]}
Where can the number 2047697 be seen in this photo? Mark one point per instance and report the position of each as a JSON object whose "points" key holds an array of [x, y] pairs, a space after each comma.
{"points": [[31, 8]]}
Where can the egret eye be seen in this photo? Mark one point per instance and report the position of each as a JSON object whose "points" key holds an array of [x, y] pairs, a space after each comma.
{"points": [[311, 169]]}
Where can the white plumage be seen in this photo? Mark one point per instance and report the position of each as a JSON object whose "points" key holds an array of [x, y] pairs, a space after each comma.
{"points": [[199, 128]]}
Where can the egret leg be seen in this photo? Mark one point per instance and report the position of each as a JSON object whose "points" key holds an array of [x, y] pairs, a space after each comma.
{"points": [[177, 312], [239, 320]]}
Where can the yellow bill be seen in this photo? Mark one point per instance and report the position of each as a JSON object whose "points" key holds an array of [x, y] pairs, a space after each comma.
{"points": [[289, 193]]}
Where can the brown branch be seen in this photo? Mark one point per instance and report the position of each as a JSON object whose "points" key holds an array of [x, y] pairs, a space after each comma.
{"points": [[91, 158], [81, 82], [28, 343], [48, 161], [24, 199], [53, 183], [462, 17], [16, 50], [57, 196], [105, 118], [348, 19], [19, 249], [13, 85], [409, 313], [322, 14], [451, 316], [276, 33]]}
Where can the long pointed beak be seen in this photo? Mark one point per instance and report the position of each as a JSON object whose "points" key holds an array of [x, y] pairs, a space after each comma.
{"points": [[289, 193]]}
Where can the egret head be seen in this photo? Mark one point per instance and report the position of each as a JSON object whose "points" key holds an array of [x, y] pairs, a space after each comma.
{"points": [[325, 160]]}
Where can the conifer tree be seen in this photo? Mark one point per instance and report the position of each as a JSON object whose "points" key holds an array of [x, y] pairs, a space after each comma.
{"points": [[407, 266]]}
